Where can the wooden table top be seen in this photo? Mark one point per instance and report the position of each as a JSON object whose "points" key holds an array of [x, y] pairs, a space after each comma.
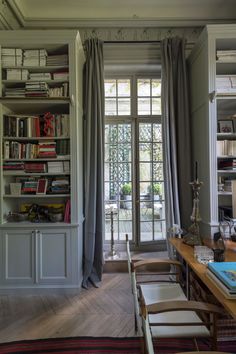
{"points": [[186, 252]]}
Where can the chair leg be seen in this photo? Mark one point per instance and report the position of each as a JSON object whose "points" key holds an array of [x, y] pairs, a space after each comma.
{"points": [[196, 345], [135, 324]]}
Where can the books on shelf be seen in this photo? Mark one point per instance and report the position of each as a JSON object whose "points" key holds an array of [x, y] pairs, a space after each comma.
{"points": [[34, 57], [222, 288], [33, 126], [226, 55], [57, 60], [226, 147], [11, 57], [226, 83], [226, 272], [227, 164], [17, 74]]}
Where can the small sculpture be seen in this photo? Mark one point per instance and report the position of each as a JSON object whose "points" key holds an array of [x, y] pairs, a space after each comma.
{"points": [[193, 238]]}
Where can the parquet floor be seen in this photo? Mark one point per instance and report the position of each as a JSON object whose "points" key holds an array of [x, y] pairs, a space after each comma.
{"points": [[106, 311]]}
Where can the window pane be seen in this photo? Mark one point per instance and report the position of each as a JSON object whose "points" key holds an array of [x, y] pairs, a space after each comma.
{"points": [[156, 106], [110, 88], [124, 152], [146, 231], [157, 132], [157, 171], [144, 106], [144, 87], [145, 132], [156, 87], [145, 190], [145, 171], [123, 106], [124, 133], [145, 152], [124, 88], [110, 107], [157, 152]]}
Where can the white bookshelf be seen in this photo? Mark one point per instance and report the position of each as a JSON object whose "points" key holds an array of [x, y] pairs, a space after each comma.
{"points": [[210, 105], [45, 253]]}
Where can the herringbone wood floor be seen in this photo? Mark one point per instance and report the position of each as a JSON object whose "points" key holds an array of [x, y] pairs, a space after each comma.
{"points": [[107, 311]]}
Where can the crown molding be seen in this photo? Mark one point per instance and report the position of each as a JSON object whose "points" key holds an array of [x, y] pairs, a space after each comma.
{"points": [[8, 19], [39, 23], [16, 10]]}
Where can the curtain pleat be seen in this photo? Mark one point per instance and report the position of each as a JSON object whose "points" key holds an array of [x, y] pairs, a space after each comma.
{"points": [[93, 162], [176, 133]]}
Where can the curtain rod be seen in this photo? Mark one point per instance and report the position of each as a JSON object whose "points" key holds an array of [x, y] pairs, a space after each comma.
{"points": [[111, 42], [142, 42]]}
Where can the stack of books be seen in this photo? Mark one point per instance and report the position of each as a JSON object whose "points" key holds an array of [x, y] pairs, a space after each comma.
{"points": [[61, 75], [11, 57], [40, 76], [13, 166], [57, 60], [226, 83], [226, 55], [228, 164], [223, 274], [17, 74], [35, 167], [47, 149], [60, 185], [34, 57], [36, 89]]}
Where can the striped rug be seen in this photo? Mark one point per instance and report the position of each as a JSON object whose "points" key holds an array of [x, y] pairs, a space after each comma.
{"points": [[103, 345]]}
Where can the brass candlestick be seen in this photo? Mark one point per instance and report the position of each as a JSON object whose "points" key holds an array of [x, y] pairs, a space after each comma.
{"points": [[193, 236]]}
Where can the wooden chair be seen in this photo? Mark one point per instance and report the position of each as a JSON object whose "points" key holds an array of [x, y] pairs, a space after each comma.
{"points": [[178, 319], [157, 279]]}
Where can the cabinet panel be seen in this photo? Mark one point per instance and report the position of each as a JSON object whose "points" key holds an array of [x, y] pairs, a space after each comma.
{"points": [[54, 257], [18, 257]]}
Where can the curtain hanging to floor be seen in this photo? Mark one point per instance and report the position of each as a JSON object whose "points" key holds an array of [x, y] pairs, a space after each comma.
{"points": [[176, 133], [93, 162]]}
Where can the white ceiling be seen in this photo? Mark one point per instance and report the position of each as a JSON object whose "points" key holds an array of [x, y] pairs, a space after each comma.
{"points": [[190, 12]]}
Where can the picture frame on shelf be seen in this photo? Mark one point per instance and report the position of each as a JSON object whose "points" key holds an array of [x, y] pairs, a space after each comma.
{"points": [[226, 126], [42, 186]]}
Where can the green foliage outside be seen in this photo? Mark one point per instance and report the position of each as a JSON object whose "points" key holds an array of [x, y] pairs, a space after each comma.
{"points": [[126, 189]]}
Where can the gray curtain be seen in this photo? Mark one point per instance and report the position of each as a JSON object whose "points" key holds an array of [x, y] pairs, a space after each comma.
{"points": [[176, 133], [93, 162]]}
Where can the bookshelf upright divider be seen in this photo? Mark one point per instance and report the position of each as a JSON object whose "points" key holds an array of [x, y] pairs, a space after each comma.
{"points": [[41, 216]]}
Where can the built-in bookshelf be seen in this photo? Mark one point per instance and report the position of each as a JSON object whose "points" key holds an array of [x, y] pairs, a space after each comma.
{"points": [[41, 191], [213, 118]]}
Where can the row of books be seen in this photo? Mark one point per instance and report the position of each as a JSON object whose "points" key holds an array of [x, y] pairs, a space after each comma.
{"points": [[25, 74], [226, 83], [227, 164], [223, 274], [34, 126], [53, 185], [226, 55], [226, 147], [36, 167], [37, 89], [31, 57], [45, 149]]}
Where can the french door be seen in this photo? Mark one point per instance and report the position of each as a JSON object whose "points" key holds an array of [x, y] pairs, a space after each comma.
{"points": [[134, 182]]}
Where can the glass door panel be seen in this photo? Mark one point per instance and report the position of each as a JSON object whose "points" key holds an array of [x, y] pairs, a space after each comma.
{"points": [[151, 183], [118, 181]]}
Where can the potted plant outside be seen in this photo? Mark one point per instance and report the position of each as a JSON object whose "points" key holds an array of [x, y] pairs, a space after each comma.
{"points": [[126, 191], [157, 191]]}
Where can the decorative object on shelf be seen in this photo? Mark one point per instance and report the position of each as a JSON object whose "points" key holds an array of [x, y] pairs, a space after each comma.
{"points": [[193, 237], [38, 213], [48, 126], [15, 188], [112, 254], [42, 186], [16, 217], [226, 126]]}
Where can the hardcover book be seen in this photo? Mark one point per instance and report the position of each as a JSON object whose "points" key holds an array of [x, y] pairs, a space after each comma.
{"points": [[226, 272]]}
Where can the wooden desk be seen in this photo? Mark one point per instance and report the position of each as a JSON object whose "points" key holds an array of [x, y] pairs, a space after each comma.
{"points": [[199, 269]]}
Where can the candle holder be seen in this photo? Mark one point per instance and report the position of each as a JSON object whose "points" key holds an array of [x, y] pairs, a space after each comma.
{"points": [[193, 237]]}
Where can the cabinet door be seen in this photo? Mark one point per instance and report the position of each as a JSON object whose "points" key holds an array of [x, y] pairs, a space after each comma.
{"points": [[54, 257], [18, 257]]}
